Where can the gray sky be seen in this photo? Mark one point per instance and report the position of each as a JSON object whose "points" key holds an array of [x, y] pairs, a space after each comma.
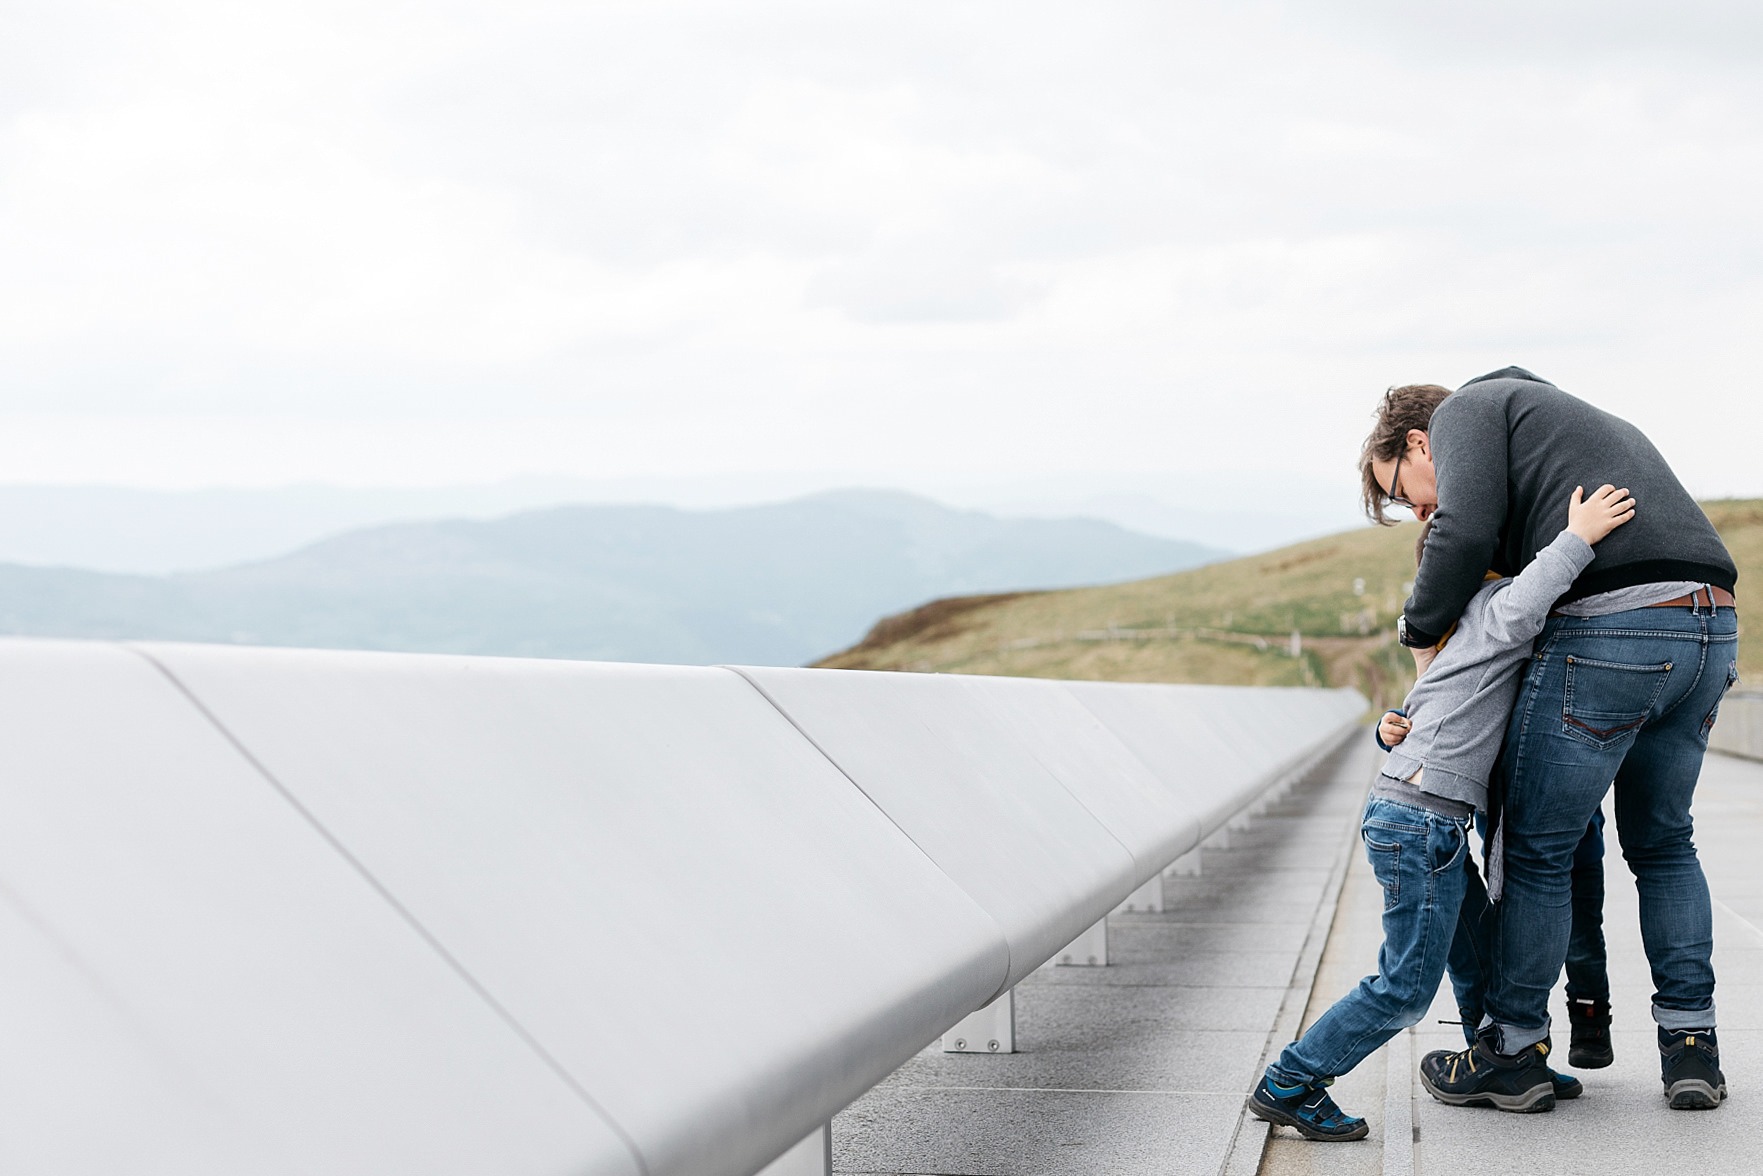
{"points": [[401, 244]]}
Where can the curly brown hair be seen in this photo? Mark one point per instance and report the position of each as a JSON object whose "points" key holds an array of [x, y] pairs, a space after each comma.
{"points": [[1407, 407]]}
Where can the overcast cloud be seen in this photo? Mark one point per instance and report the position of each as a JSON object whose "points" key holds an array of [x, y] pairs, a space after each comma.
{"points": [[399, 243]]}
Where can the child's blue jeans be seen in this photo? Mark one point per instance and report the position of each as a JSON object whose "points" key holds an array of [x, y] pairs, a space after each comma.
{"points": [[1419, 859]]}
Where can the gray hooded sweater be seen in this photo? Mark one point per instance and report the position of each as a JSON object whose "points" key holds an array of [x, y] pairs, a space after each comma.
{"points": [[1508, 449], [1459, 707]]}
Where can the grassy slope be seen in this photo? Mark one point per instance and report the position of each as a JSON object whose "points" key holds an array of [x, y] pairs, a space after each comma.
{"points": [[1228, 623]]}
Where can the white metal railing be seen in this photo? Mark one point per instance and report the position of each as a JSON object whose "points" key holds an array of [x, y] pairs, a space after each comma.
{"points": [[285, 910]]}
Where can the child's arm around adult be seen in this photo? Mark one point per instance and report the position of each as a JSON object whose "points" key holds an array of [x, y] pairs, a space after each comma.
{"points": [[1516, 615]]}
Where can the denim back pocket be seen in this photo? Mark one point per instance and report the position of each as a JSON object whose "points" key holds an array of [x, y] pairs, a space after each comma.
{"points": [[1386, 866], [1732, 677], [1606, 702]]}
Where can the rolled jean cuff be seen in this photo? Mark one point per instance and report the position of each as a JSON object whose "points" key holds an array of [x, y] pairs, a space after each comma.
{"points": [[1673, 1020], [1278, 1073], [1510, 1039]]}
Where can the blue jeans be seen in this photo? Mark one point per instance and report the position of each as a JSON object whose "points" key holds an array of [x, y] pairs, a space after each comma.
{"points": [[1421, 859], [1588, 976], [1627, 698]]}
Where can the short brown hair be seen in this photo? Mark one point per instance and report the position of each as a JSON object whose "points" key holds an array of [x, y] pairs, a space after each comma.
{"points": [[1408, 407]]}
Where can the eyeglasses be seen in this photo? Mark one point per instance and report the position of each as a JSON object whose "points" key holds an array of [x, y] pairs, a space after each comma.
{"points": [[1395, 481]]}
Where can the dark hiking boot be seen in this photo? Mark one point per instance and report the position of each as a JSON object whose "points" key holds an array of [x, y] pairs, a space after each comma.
{"points": [[1479, 1077], [1689, 1064], [1566, 1086], [1590, 1047], [1308, 1110]]}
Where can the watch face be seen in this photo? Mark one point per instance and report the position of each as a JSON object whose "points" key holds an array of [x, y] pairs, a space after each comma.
{"points": [[1402, 630]]}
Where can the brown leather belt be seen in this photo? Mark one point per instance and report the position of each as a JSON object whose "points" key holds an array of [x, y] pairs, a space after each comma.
{"points": [[1701, 598], [1708, 598]]}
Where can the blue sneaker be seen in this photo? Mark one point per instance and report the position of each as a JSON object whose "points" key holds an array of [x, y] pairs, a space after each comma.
{"points": [[1305, 1109]]}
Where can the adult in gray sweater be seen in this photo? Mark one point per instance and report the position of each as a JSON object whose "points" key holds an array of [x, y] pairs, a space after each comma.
{"points": [[1418, 840], [1623, 686]]}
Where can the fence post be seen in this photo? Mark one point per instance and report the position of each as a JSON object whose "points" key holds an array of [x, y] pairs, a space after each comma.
{"points": [[812, 1157], [991, 1029], [1089, 950], [1148, 897]]}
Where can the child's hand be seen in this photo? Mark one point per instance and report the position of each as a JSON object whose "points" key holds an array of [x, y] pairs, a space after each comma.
{"points": [[1597, 516], [1393, 729]]}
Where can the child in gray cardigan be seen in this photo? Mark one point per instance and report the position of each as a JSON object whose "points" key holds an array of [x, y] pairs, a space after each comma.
{"points": [[1416, 823]]}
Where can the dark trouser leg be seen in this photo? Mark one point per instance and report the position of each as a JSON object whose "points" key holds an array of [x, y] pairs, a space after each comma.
{"points": [[1588, 976], [1468, 962]]}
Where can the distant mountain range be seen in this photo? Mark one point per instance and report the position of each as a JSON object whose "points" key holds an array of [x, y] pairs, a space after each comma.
{"points": [[156, 532], [779, 584]]}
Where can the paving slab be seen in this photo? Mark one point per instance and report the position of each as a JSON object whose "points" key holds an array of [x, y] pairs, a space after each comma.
{"points": [[1267, 969], [1034, 1133], [1140, 1066], [1351, 953], [1124, 1058]]}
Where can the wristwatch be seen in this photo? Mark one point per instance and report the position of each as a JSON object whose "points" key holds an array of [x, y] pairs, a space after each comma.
{"points": [[1402, 629]]}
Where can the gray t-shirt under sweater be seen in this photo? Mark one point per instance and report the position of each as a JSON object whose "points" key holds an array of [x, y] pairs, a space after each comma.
{"points": [[1459, 707]]}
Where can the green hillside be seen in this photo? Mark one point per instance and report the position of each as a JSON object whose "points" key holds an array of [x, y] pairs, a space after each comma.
{"points": [[1226, 623]]}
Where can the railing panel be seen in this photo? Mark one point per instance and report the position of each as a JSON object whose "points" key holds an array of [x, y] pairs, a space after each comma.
{"points": [[191, 981], [1216, 746], [962, 784], [697, 915], [1065, 737], [294, 911]]}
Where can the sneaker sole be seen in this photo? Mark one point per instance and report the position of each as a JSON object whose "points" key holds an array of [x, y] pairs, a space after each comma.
{"points": [[1534, 1101], [1284, 1119], [1693, 1094], [1590, 1059]]}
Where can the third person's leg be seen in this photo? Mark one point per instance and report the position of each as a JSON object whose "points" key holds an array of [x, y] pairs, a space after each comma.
{"points": [[1588, 976]]}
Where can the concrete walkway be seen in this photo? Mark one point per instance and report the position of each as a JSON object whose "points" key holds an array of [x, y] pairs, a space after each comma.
{"points": [[1622, 1124], [1142, 1066]]}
